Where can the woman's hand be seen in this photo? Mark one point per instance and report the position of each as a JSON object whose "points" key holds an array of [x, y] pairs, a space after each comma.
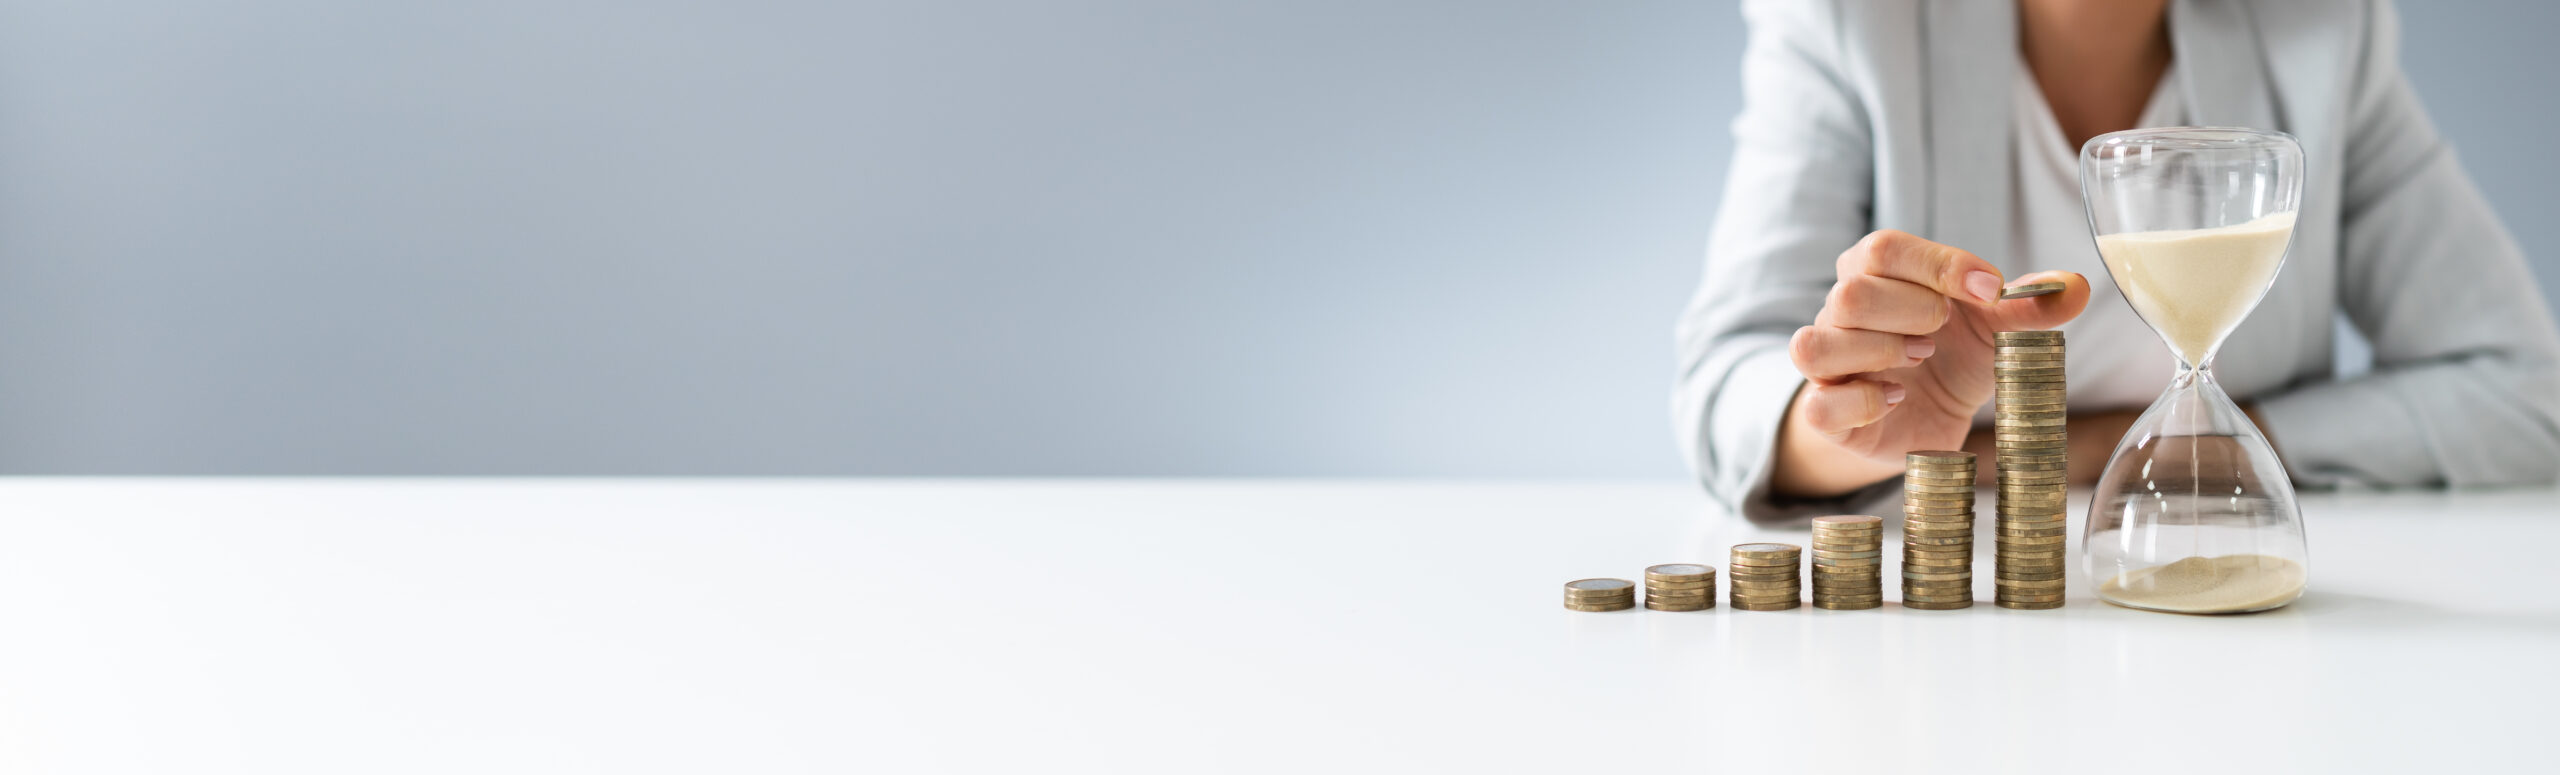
{"points": [[1900, 359]]}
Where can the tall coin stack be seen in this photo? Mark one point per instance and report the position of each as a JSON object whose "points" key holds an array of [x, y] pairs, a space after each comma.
{"points": [[2027, 428], [1937, 530], [1766, 577], [1848, 562], [1600, 595], [1680, 586]]}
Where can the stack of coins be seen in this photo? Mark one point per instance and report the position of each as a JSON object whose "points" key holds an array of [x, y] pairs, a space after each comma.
{"points": [[1600, 595], [2027, 427], [1765, 577], [1848, 562], [1937, 530], [1680, 586]]}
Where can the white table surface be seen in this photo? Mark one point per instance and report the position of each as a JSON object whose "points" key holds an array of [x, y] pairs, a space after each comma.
{"points": [[780, 626]]}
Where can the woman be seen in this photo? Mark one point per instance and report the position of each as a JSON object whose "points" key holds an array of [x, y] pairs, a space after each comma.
{"points": [[1897, 163]]}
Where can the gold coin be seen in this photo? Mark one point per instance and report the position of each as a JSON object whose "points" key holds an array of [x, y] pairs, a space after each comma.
{"points": [[1936, 606], [1599, 586], [1680, 571], [2034, 598], [1747, 604], [1848, 521], [2031, 290], [2028, 606], [1766, 551], [1937, 456], [1610, 607], [1767, 606], [1678, 608], [2026, 348]]}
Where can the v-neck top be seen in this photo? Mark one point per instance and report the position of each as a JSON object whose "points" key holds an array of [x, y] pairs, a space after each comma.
{"points": [[2115, 361]]}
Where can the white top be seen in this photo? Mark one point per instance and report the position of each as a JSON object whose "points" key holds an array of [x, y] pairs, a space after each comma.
{"points": [[775, 627], [2115, 361]]}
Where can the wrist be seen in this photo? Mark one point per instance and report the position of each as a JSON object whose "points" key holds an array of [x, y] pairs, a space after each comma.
{"points": [[1811, 464]]}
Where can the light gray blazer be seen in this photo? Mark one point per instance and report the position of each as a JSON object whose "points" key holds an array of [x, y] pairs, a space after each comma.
{"points": [[1895, 114]]}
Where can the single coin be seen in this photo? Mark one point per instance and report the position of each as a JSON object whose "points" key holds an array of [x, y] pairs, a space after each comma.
{"points": [[2032, 540], [2044, 576], [1679, 608], [2016, 336], [1765, 551], [1610, 607], [1820, 554], [1960, 490], [2034, 598], [1838, 601], [2028, 290], [2027, 348], [1916, 605], [2027, 398], [1924, 564], [1768, 606], [2028, 606], [1848, 521], [1591, 586], [1926, 456], [1680, 570], [2040, 422], [1840, 606]]}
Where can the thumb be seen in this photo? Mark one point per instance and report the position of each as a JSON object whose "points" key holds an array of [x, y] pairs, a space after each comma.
{"points": [[2037, 313]]}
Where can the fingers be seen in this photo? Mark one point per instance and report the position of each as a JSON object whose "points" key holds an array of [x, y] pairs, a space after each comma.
{"points": [[1883, 304], [2037, 313], [1826, 354], [1946, 271], [1841, 408]]}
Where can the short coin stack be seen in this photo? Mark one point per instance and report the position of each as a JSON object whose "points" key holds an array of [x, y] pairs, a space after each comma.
{"points": [[1848, 562], [1937, 530], [1680, 586], [1767, 577], [1600, 595], [2027, 427]]}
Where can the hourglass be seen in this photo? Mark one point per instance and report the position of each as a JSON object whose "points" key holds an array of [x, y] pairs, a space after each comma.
{"points": [[2195, 513]]}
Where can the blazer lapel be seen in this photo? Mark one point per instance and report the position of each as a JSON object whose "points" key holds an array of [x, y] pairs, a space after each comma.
{"points": [[1972, 55]]}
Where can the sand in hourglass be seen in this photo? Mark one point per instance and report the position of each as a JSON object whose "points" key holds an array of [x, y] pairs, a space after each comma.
{"points": [[2209, 585], [2195, 285]]}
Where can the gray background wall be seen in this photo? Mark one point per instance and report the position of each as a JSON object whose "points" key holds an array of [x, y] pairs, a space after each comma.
{"points": [[1435, 237]]}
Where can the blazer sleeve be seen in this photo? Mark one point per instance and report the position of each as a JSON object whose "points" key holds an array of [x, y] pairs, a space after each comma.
{"points": [[1798, 192], [2465, 389]]}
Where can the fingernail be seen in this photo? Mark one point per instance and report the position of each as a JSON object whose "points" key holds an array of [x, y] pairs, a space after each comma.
{"points": [[1983, 285], [1918, 347], [1893, 394]]}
